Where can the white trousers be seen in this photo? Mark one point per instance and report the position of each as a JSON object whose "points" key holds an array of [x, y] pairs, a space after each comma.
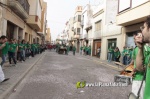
{"points": [[135, 88]]}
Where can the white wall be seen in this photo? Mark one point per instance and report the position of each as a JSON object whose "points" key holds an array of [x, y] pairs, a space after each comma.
{"points": [[84, 13], [137, 2], [71, 33], [39, 9], [104, 43], [97, 34]]}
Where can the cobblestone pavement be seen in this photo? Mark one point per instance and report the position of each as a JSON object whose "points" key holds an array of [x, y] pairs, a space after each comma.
{"points": [[55, 76], [16, 73]]}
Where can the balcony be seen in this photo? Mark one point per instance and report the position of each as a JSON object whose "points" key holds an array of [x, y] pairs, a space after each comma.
{"points": [[134, 15], [85, 36], [76, 36], [97, 35], [34, 22], [20, 7], [82, 23]]}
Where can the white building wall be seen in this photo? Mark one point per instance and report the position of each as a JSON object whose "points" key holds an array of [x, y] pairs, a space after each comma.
{"points": [[71, 33], [32, 10], [97, 34], [84, 22], [111, 30]]}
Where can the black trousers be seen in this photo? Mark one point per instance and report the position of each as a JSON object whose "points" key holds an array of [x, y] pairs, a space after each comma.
{"points": [[12, 56]]}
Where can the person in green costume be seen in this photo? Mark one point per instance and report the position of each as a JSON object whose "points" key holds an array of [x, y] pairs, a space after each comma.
{"points": [[11, 52], [68, 48], [28, 51], [124, 55], [110, 54], [21, 52], [89, 50], [81, 48], [24, 48], [4, 49], [117, 54], [137, 75], [3, 44], [74, 50], [141, 58], [32, 49]]}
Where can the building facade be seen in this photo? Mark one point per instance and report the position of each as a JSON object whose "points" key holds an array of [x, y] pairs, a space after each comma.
{"points": [[98, 27], [77, 27], [48, 36], [111, 34], [131, 16], [86, 24], [42, 31], [21, 19], [71, 31]]}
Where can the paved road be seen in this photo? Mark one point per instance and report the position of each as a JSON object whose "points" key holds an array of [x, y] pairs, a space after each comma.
{"points": [[55, 77]]}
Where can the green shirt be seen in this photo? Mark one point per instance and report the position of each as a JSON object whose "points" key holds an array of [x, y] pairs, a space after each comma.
{"points": [[33, 47], [25, 46], [110, 50], [81, 48], [131, 51], [5, 49], [21, 47], [74, 48], [28, 45], [124, 52], [127, 52], [138, 75], [89, 50], [12, 47], [86, 48], [68, 48], [117, 54], [147, 81]]}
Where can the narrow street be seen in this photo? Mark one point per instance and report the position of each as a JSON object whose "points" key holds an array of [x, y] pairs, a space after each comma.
{"points": [[55, 76]]}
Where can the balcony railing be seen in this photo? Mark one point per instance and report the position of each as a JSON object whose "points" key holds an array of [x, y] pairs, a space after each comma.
{"points": [[25, 5], [20, 7]]}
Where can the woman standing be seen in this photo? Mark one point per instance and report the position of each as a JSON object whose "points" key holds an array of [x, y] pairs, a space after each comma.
{"points": [[117, 54], [110, 54]]}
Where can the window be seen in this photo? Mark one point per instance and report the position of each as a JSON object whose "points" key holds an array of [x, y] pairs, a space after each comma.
{"points": [[79, 18], [78, 31], [124, 4], [98, 26]]}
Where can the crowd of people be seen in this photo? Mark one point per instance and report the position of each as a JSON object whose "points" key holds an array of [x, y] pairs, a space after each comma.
{"points": [[115, 54], [18, 51], [139, 57], [64, 48], [85, 50]]}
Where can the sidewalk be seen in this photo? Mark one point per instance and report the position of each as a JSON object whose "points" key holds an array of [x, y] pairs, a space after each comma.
{"points": [[105, 62], [16, 74]]}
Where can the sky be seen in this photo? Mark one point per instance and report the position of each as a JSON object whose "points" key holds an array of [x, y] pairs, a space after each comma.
{"points": [[60, 11]]}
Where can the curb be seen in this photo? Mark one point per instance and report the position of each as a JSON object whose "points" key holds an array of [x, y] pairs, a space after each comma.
{"points": [[9, 90]]}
